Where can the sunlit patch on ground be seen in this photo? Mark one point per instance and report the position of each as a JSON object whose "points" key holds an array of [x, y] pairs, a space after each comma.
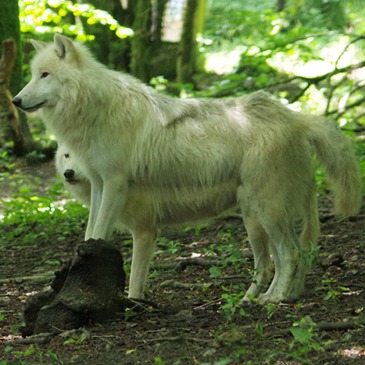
{"points": [[353, 352]]}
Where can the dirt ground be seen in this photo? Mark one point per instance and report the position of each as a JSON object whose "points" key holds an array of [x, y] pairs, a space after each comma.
{"points": [[190, 317]]}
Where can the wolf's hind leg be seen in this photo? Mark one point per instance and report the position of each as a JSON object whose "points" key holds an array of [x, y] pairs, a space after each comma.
{"points": [[263, 265], [290, 267]]}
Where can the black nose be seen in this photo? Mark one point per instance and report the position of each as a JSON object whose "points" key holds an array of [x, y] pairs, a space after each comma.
{"points": [[17, 102], [69, 174]]}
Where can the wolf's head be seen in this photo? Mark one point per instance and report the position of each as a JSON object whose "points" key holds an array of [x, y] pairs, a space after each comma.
{"points": [[78, 185], [49, 76], [67, 167]]}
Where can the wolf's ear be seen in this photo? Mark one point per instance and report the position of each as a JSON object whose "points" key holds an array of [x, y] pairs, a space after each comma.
{"points": [[64, 46], [38, 45]]}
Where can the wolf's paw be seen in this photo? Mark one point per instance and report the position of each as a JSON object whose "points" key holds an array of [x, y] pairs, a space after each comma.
{"points": [[277, 298]]}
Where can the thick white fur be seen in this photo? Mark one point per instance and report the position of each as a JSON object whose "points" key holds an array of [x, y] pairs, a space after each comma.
{"points": [[150, 160]]}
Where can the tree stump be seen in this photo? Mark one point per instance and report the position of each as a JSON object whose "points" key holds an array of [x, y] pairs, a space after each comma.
{"points": [[86, 290]]}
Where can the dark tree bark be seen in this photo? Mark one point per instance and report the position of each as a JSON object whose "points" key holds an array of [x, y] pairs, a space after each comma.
{"points": [[280, 5], [9, 117], [10, 28], [141, 42], [187, 59], [124, 12]]}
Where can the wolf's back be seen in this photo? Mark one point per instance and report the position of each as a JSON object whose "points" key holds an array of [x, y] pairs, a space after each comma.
{"points": [[336, 154]]}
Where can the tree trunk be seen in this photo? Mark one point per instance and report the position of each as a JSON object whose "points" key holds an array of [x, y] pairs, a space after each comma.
{"points": [[280, 5], [157, 21], [141, 42], [187, 59], [9, 117], [123, 11], [10, 28]]}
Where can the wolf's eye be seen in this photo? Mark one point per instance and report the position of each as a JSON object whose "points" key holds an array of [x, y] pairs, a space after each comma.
{"points": [[44, 74]]}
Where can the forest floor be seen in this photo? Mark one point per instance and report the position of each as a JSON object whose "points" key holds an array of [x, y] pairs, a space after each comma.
{"points": [[197, 277]]}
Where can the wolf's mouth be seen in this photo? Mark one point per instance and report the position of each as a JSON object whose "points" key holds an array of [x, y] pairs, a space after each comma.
{"points": [[34, 107], [72, 181]]}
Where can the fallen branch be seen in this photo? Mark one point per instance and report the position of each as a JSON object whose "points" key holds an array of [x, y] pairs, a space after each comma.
{"points": [[179, 285], [324, 326], [177, 338], [38, 339], [340, 326], [35, 278], [181, 265]]}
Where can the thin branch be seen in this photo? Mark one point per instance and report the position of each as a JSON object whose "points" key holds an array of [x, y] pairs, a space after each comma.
{"points": [[347, 46], [324, 326], [349, 106]]}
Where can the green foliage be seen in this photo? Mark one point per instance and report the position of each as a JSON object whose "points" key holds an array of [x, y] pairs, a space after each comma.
{"points": [[7, 164], [27, 217], [77, 337], [303, 330], [159, 361], [329, 14], [58, 16], [332, 289], [230, 250], [306, 339], [231, 303], [30, 353], [287, 51], [165, 246]]}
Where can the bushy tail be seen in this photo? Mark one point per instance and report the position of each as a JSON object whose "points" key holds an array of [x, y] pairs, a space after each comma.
{"points": [[336, 154]]}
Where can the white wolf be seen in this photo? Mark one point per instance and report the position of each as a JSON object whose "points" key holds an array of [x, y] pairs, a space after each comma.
{"points": [[152, 160]]}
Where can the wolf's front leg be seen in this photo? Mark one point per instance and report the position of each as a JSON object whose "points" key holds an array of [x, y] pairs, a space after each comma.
{"points": [[95, 202], [144, 244], [113, 198]]}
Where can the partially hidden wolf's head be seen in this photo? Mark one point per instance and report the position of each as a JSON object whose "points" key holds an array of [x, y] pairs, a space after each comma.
{"points": [[75, 181], [51, 73]]}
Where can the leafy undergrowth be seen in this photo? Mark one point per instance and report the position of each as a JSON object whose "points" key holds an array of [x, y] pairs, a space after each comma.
{"points": [[191, 315]]}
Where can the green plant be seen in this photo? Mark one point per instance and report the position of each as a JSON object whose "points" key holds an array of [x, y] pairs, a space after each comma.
{"points": [[230, 251], [159, 361], [306, 339], [52, 16], [331, 289], [77, 337], [271, 308], [215, 272], [6, 163], [31, 355], [32, 217], [54, 357], [231, 303], [196, 228], [167, 246], [259, 329]]}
